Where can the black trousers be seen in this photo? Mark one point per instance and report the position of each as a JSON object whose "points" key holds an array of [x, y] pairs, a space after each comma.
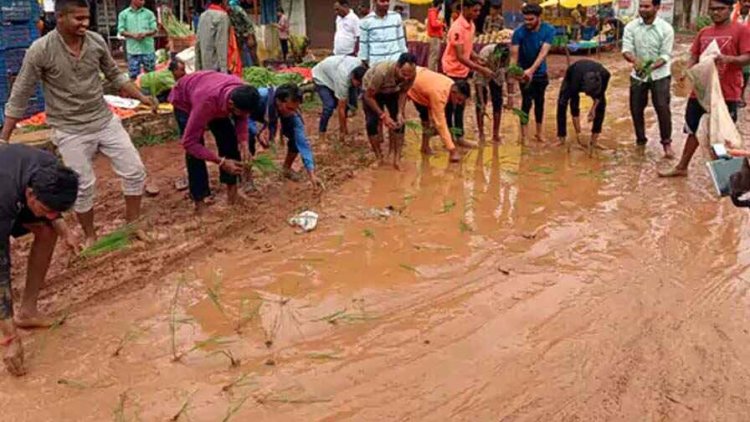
{"points": [[389, 103], [454, 114], [574, 99], [660, 97], [226, 142], [533, 93]]}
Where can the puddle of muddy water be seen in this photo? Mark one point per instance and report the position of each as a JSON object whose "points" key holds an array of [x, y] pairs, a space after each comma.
{"points": [[436, 292]]}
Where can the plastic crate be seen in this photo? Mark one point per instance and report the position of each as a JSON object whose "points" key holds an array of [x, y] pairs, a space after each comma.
{"points": [[17, 36], [19, 10], [11, 60]]}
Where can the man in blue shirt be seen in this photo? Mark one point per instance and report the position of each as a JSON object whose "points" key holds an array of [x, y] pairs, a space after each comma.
{"points": [[530, 46], [282, 103]]}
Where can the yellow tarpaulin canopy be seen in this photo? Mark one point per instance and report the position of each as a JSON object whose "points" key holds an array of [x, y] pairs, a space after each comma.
{"points": [[571, 4], [417, 1]]}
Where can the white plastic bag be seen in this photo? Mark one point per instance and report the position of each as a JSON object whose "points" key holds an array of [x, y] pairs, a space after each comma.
{"points": [[187, 56], [307, 220], [716, 126]]}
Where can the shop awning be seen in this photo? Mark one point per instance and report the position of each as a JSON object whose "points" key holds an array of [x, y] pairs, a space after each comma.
{"points": [[417, 1], [571, 4]]}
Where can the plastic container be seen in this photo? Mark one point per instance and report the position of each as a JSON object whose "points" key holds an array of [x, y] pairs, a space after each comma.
{"points": [[17, 35], [19, 11]]}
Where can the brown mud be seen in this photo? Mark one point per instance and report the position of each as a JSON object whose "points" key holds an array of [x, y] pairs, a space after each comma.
{"points": [[525, 283]]}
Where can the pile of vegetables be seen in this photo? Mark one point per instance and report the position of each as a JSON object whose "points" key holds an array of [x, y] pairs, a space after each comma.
{"points": [[175, 28], [497, 37], [262, 77]]}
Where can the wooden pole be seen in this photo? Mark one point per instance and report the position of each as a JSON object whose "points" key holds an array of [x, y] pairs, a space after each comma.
{"points": [[106, 20]]}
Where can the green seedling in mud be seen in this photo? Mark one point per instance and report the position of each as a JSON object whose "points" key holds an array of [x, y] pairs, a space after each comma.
{"points": [[344, 316], [211, 341], [644, 72], [413, 126], [448, 206], [323, 356], [56, 324], [183, 409], [523, 117], [213, 293], [544, 170], [115, 241], [242, 381], [464, 227], [119, 412], [234, 409], [233, 362], [264, 163], [80, 385], [457, 132], [246, 314], [368, 233], [515, 71], [126, 339], [409, 198], [174, 322], [409, 268]]}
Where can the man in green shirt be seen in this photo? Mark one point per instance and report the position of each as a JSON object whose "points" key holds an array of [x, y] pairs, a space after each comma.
{"points": [[138, 26]]}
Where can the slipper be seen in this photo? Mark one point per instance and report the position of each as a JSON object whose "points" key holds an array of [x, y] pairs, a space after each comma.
{"points": [[152, 189]]}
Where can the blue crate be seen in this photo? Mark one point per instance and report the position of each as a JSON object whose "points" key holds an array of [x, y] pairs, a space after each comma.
{"points": [[17, 36], [11, 60], [19, 10]]}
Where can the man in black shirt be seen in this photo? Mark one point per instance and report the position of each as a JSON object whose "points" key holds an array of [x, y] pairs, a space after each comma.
{"points": [[590, 78], [34, 190]]}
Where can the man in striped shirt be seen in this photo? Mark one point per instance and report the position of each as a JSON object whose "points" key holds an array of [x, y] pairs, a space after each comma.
{"points": [[382, 35]]}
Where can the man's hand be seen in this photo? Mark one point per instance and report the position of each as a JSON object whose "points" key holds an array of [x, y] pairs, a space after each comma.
{"points": [[527, 75], [637, 65], [262, 138], [388, 122], [245, 153], [73, 242], [401, 121], [724, 59], [316, 183], [232, 167], [151, 102]]}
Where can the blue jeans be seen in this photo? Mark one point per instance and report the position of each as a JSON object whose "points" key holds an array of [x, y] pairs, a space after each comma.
{"points": [[330, 102], [136, 61]]}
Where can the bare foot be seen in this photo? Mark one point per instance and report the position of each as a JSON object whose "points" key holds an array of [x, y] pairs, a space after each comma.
{"points": [[497, 139], [427, 151], [675, 172], [454, 156], [668, 152], [89, 242], [13, 358], [32, 321], [539, 138]]}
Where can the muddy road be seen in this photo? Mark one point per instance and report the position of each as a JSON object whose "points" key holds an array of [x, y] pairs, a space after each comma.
{"points": [[524, 284]]}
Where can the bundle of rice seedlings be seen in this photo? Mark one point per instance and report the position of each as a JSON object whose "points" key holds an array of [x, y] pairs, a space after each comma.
{"points": [[523, 117], [264, 163], [115, 241]]}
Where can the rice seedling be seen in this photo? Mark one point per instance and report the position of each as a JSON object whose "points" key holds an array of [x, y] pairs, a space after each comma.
{"points": [[234, 409], [515, 70], [131, 335], [523, 117], [264, 163], [73, 383], [211, 341], [233, 362], [409, 268], [344, 316], [448, 205], [214, 292], [368, 233], [323, 356], [543, 170], [457, 132], [246, 313], [183, 409], [119, 412], [242, 381], [464, 226], [115, 241]]}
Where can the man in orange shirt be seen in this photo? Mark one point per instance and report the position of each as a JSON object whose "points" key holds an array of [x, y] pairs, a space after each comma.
{"points": [[435, 30], [432, 94], [459, 59]]}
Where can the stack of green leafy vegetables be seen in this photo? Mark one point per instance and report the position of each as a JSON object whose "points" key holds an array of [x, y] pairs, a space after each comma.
{"points": [[174, 27], [262, 77]]}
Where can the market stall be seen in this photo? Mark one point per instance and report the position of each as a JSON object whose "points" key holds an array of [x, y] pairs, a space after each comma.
{"points": [[598, 32]]}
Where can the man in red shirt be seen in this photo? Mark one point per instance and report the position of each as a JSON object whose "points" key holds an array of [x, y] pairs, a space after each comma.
{"points": [[459, 60], [435, 30], [734, 41]]}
